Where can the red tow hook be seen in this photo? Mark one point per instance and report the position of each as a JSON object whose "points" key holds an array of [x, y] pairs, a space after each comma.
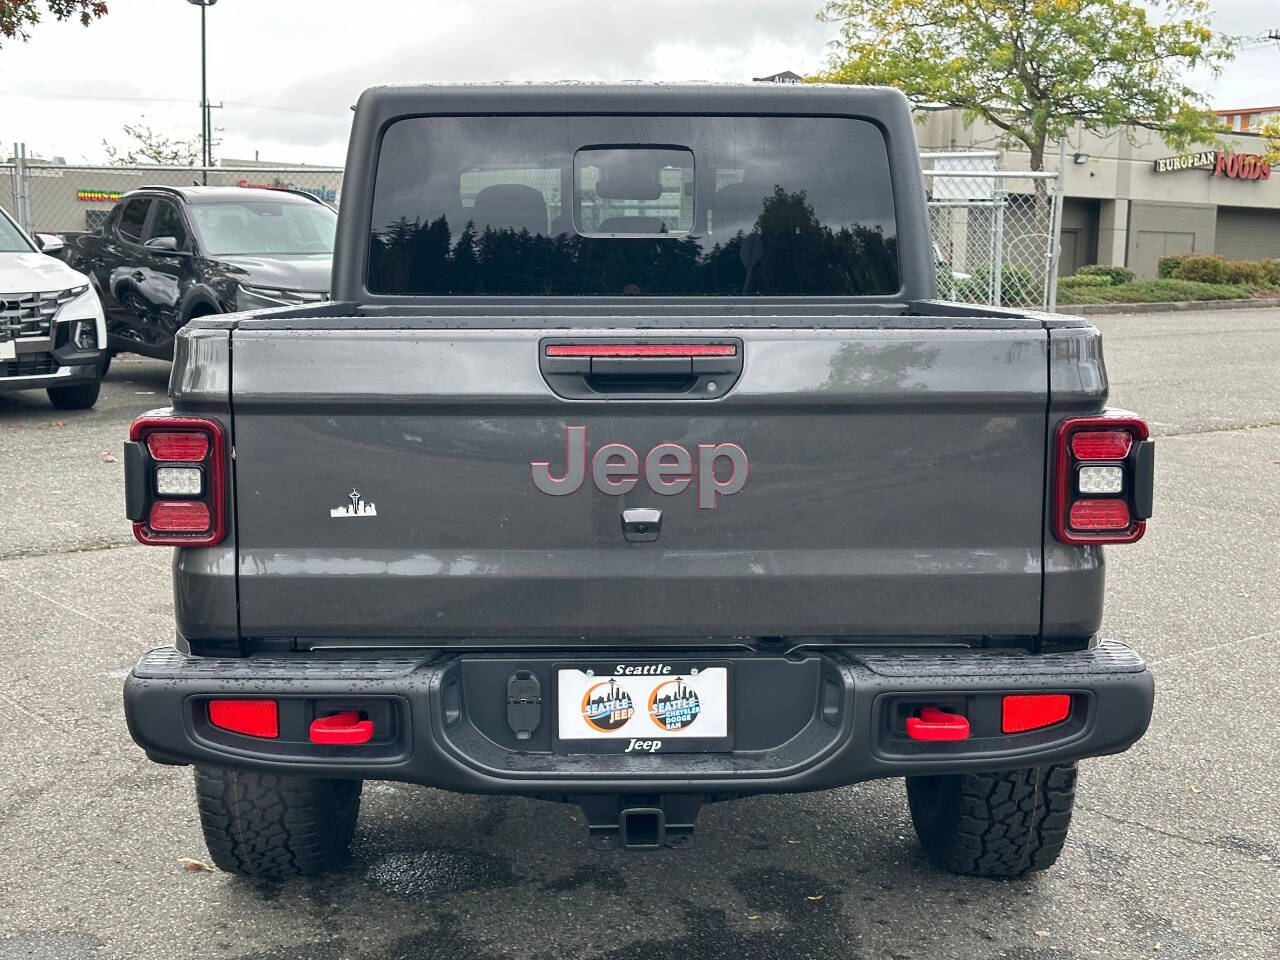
{"points": [[935, 724], [345, 727]]}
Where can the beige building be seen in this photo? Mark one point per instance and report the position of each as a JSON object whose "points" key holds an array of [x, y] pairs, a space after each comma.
{"points": [[1130, 199]]}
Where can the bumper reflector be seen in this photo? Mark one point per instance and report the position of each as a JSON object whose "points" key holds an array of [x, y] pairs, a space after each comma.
{"points": [[1032, 711], [345, 727], [253, 718], [935, 724]]}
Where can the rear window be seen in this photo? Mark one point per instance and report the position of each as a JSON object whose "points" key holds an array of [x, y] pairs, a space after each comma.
{"points": [[633, 206]]}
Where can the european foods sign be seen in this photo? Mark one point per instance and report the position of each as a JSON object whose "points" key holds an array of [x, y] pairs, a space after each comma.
{"points": [[1219, 163]]}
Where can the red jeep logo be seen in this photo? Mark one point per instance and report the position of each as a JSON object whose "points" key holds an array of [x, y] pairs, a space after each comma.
{"points": [[668, 469]]}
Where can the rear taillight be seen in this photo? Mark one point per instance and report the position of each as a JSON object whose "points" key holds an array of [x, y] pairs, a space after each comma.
{"points": [[1104, 472], [176, 481]]}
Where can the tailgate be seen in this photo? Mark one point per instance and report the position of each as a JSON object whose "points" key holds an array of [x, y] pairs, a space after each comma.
{"points": [[891, 485]]}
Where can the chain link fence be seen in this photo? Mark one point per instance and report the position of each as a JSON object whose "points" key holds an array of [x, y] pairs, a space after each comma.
{"points": [[69, 199], [995, 231]]}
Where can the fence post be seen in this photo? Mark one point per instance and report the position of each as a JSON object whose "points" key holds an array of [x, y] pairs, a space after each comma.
{"points": [[1055, 228], [20, 187], [997, 254]]}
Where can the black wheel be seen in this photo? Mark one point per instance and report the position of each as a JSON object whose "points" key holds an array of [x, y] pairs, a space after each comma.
{"points": [[267, 827], [106, 362], [80, 397], [1000, 824]]}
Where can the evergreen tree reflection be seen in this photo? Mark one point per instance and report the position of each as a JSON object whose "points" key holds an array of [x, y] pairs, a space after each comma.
{"points": [[787, 252]]}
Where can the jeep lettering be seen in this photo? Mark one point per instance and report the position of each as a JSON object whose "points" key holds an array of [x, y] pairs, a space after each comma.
{"points": [[668, 469]]}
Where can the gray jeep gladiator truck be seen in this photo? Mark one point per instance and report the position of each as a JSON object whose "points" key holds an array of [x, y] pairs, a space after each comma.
{"points": [[635, 465]]}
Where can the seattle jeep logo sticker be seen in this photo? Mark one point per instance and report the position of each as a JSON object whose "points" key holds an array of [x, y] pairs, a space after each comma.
{"points": [[607, 706], [669, 468]]}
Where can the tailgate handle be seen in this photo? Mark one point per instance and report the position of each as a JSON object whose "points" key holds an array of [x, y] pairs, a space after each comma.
{"points": [[650, 370]]}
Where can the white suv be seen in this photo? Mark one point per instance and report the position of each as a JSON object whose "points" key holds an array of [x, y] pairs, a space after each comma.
{"points": [[52, 332]]}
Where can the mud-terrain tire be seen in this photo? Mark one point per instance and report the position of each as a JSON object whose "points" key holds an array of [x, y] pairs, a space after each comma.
{"points": [[267, 827], [1001, 824]]}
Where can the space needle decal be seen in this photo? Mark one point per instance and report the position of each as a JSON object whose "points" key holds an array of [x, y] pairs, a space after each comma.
{"points": [[359, 507]]}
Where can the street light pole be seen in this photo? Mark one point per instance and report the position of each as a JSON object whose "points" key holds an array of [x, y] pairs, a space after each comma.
{"points": [[204, 91], [206, 126]]}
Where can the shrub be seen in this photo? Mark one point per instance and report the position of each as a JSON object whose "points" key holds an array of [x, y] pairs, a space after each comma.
{"points": [[1271, 273], [1084, 280], [1155, 291], [1116, 275], [1246, 271], [1166, 267], [1016, 286], [1203, 269]]}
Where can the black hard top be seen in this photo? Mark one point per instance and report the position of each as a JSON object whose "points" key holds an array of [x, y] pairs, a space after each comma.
{"points": [[378, 107]]}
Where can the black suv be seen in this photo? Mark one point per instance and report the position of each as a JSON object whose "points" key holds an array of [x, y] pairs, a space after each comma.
{"points": [[167, 254]]}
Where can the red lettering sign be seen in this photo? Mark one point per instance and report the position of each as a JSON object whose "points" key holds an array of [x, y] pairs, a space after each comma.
{"points": [[1241, 166]]}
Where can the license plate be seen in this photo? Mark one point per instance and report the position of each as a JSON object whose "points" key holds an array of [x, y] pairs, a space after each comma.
{"points": [[8, 350], [643, 707]]}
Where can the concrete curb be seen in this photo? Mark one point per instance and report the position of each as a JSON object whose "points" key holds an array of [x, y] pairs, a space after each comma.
{"points": [[1089, 309]]}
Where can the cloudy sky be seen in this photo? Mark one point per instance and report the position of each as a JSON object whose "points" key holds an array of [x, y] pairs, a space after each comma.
{"points": [[287, 70]]}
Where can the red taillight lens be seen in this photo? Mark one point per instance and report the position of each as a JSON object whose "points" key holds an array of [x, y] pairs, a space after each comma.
{"points": [[1032, 711], [1102, 479], [1101, 444], [179, 516], [253, 718], [191, 446], [1099, 515], [167, 513]]}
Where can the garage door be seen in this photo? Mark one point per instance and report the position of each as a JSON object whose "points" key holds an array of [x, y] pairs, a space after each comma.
{"points": [[1245, 234], [1154, 244]]}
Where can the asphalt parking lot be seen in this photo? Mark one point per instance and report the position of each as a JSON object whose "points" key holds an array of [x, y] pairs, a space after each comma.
{"points": [[1174, 851]]}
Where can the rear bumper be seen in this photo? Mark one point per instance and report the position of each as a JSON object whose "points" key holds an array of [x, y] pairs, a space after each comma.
{"points": [[806, 723]]}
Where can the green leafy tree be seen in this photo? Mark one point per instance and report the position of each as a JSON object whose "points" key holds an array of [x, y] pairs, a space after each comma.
{"points": [[1271, 136], [147, 146], [1037, 68], [17, 17]]}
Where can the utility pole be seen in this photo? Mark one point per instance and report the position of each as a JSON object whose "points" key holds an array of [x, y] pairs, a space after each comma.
{"points": [[206, 122]]}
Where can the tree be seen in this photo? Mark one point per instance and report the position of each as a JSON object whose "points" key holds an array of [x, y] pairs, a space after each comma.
{"points": [[18, 16], [148, 146], [1037, 68], [1270, 134]]}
